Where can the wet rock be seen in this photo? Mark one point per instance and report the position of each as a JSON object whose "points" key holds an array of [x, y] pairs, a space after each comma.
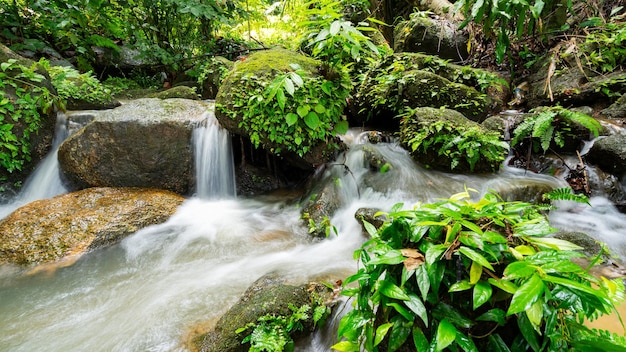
{"points": [[525, 190], [431, 36], [317, 210], [145, 143], [268, 295], [617, 110], [609, 153], [249, 77], [74, 223], [41, 142], [368, 215]]}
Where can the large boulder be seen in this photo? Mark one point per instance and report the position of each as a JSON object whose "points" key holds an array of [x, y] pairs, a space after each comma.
{"points": [[433, 36], [300, 127], [50, 229], [38, 144], [269, 295], [417, 80], [145, 143], [609, 154]]}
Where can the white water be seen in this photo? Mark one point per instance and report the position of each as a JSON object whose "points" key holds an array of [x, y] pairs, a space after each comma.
{"points": [[213, 160], [146, 293], [45, 181]]}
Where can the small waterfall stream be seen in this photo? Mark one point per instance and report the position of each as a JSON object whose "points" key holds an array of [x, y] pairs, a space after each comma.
{"points": [[150, 291]]}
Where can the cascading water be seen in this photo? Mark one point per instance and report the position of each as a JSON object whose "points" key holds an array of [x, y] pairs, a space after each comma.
{"points": [[45, 181], [213, 160], [147, 293]]}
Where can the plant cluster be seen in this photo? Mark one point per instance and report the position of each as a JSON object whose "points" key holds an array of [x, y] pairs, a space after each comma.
{"points": [[604, 47], [71, 84], [458, 143], [552, 125], [469, 275], [20, 116], [296, 110], [272, 333]]}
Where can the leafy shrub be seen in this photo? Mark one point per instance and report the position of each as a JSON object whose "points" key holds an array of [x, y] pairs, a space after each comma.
{"points": [[471, 275], [296, 110], [457, 142], [31, 100], [552, 125], [71, 84], [604, 46]]}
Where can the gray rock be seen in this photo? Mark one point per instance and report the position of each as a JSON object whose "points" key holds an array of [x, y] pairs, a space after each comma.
{"points": [[431, 36], [609, 154], [145, 143]]}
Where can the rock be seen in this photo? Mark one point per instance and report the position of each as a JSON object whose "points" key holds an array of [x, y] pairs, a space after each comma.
{"points": [[182, 92], [368, 215], [318, 208], [609, 153], [40, 142], [451, 161], [145, 143], [617, 110], [268, 295], [523, 190], [257, 71], [74, 223], [417, 80], [431, 36], [211, 73]]}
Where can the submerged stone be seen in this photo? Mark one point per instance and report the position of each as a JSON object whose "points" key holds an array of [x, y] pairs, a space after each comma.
{"points": [[74, 223]]}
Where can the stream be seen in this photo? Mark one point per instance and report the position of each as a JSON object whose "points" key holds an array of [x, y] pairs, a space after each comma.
{"points": [[151, 291]]}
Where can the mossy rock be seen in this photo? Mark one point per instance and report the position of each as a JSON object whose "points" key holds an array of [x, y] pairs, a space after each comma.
{"points": [[71, 224], [418, 80], [439, 37], [182, 92], [413, 125], [248, 81], [268, 295]]}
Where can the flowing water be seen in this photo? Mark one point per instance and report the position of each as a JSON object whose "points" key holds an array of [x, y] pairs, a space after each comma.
{"points": [[148, 293]]}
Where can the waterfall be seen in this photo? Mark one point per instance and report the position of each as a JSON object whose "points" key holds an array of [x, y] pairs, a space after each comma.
{"points": [[45, 181], [214, 166]]}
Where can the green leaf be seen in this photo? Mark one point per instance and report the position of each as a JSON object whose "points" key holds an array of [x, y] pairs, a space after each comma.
{"points": [[390, 290], [390, 257], [346, 346], [351, 325], [476, 271], [341, 127], [423, 282], [416, 306], [554, 243], [446, 333], [527, 294], [399, 333], [504, 285], [335, 26], [496, 315], [460, 286], [496, 344], [528, 332], [312, 120], [475, 256], [535, 314], [303, 110], [419, 339], [521, 269], [289, 87], [280, 97], [381, 332], [405, 313], [466, 343], [291, 119], [319, 108], [482, 293]]}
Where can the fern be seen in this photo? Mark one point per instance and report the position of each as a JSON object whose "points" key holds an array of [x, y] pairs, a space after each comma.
{"points": [[565, 193], [583, 119]]}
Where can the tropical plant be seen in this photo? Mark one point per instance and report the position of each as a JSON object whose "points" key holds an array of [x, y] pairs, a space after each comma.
{"points": [[483, 275], [458, 143], [273, 333], [73, 85], [552, 125], [604, 47], [502, 19], [30, 100]]}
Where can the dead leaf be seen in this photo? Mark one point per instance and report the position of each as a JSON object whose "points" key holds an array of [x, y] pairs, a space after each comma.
{"points": [[411, 253], [412, 263]]}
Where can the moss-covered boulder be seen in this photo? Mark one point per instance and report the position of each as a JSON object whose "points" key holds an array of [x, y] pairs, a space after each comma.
{"points": [[417, 80], [144, 143], [180, 92], [51, 229], [32, 126], [432, 36], [269, 295], [445, 140], [609, 154], [288, 103]]}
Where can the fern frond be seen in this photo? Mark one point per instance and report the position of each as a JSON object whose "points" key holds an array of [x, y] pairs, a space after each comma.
{"points": [[565, 193], [582, 119]]}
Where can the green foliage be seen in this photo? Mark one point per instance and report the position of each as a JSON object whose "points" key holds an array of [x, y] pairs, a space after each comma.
{"points": [[296, 109], [272, 333], [552, 125], [71, 84], [471, 275], [502, 19], [604, 47], [20, 111], [566, 193], [334, 40], [458, 143]]}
